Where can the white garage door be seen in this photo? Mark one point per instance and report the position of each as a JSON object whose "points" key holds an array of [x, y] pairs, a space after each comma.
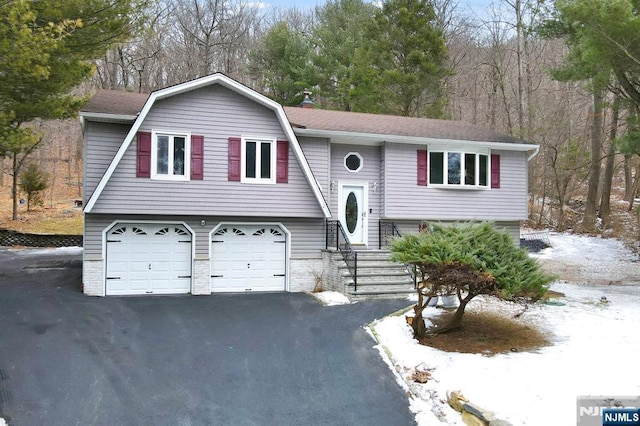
{"points": [[148, 259], [248, 258]]}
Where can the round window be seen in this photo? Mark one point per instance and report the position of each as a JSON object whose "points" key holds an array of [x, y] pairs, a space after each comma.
{"points": [[353, 162]]}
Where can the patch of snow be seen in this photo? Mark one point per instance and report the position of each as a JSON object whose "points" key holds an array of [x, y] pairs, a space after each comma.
{"points": [[590, 260], [332, 298], [584, 248], [593, 352], [46, 251]]}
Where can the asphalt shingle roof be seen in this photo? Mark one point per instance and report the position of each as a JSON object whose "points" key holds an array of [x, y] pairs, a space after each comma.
{"points": [[113, 102], [358, 122], [116, 102]]}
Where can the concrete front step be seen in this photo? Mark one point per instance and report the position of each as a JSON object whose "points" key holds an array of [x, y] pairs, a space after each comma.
{"points": [[380, 273], [379, 281], [378, 294], [378, 277], [381, 287]]}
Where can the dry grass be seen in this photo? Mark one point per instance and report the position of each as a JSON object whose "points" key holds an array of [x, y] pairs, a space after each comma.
{"points": [[41, 220], [486, 333], [57, 216]]}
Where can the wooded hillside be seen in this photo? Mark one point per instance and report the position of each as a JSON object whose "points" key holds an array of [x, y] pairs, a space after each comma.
{"points": [[525, 68]]}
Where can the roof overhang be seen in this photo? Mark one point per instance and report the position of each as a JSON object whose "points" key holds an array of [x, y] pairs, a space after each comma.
{"points": [[109, 118]]}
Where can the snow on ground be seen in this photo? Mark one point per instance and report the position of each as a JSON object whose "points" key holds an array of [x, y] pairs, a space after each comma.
{"points": [[331, 298], [46, 251], [591, 260], [595, 345]]}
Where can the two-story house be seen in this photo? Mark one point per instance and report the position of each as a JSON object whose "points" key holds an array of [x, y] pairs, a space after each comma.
{"points": [[208, 186]]}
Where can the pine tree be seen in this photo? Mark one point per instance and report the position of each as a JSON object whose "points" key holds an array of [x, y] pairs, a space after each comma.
{"points": [[33, 181], [467, 260]]}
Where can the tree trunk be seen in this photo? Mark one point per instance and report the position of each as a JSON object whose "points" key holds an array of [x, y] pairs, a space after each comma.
{"points": [[605, 206], [419, 329], [628, 179], [634, 188], [14, 188], [519, 53], [589, 220], [456, 320]]}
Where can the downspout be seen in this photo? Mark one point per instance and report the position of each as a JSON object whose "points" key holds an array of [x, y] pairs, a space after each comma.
{"points": [[535, 152]]}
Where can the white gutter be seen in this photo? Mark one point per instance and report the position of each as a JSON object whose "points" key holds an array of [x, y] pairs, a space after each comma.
{"points": [[535, 152], [101, 116], [413, 140]]}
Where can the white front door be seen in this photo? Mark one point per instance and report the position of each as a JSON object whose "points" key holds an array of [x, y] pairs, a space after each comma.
{"points": [[353, 212]]}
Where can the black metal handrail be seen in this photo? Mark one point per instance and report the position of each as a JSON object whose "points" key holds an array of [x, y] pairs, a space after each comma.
{"points": [[337, 238], [386, 231]]}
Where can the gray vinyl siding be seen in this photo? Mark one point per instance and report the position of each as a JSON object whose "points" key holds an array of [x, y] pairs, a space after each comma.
{"points": [[216, 113], [101, 142], [369, 173], [316, 150], [307, 235], [405, 199]]}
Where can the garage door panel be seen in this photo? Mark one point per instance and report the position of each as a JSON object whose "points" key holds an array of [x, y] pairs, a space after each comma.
{"points": [[248, 258], [148, 258]]}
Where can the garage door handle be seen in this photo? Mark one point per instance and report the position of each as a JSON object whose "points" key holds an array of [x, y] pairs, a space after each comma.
{"points": [[184, 276], [278, 275], [114, 278], [217, 276]]}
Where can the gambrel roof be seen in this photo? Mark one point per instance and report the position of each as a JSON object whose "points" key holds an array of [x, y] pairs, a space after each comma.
{"points": [[113, 106]]}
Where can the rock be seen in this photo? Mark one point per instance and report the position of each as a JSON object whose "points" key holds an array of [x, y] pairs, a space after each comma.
{"points": [[499, 423], [456, 400], [471, 420], [481, 413]]}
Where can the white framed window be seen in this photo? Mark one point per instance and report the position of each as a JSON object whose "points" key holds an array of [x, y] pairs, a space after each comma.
{"points": [[170, 155], [258, 164], [353, 162], [459, 169]]}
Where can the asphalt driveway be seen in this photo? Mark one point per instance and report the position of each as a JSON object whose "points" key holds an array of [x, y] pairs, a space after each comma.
{"points": [[250, 359]]}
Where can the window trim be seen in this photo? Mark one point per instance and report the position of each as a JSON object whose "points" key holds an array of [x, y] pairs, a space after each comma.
{"points": [[273, 160], [445, 169], [154, 155], [357, 154]]}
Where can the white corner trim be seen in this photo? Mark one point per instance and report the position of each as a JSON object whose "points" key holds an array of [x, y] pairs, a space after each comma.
{"points": [[194, 84], [297, 150]]}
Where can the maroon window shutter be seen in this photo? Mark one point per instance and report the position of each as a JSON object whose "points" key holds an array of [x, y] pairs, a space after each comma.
{"points": [[197, 157], [422, 167], [143, 165], [234, 159], [495, 171], [282, 162]]}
